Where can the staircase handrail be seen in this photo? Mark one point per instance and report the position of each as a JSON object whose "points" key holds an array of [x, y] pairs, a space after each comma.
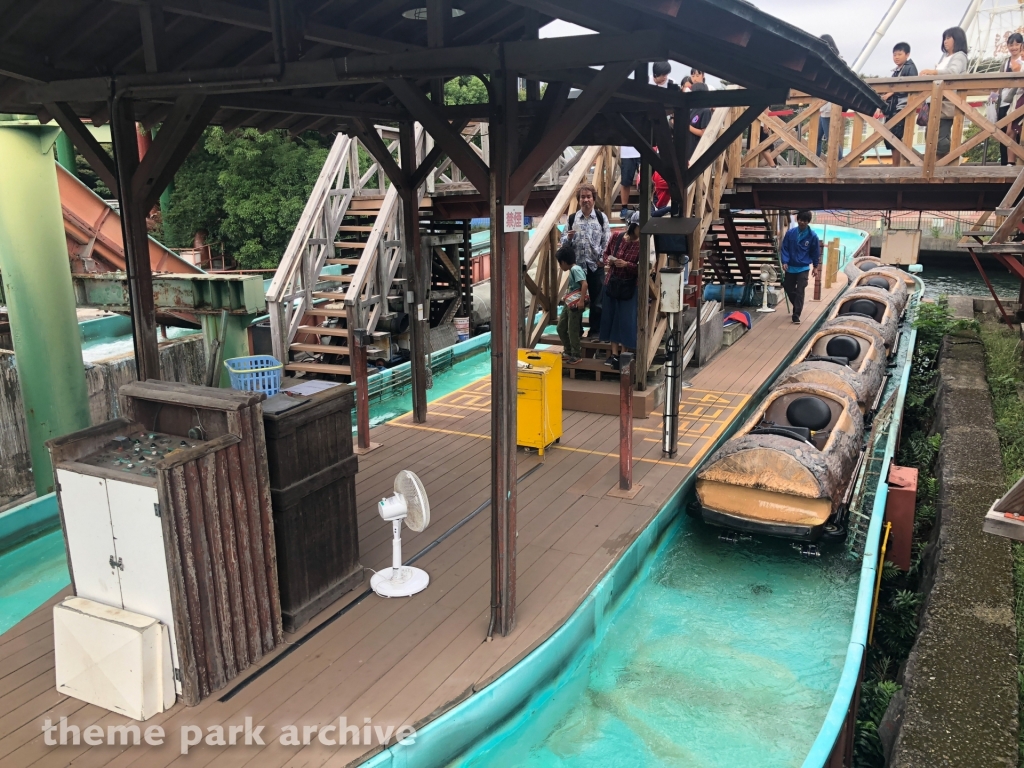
{"points": [[295, 253]]}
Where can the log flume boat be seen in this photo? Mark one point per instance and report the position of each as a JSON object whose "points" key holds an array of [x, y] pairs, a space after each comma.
{"points": [[788, 471]]}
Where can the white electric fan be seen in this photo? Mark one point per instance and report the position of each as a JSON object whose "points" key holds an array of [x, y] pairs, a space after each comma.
{"points": [[768, 277], [410, 504]]}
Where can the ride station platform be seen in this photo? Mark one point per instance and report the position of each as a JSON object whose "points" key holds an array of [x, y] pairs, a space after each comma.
{"points": [[407, 661]]}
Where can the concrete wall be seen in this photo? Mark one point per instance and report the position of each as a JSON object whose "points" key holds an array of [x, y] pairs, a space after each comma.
{"points": [[958, 704], [182, 360]]}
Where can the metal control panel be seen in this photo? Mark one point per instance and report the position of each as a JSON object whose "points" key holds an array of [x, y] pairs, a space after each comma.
{"points": [[138, 453]]}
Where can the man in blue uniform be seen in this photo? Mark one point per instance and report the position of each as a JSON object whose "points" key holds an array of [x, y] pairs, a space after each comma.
{"points": [[801, 256]]}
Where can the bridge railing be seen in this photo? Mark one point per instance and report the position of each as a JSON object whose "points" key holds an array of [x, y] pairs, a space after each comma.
{"points": [[958, 134]]}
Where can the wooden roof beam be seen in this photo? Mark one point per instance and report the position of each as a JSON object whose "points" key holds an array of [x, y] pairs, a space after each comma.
{"points": [[239, 16], [435, 123], [85, 142], [568, 126]]}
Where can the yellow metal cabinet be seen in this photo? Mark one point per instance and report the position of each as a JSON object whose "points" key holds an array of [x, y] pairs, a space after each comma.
{"points": [[539, 419]]}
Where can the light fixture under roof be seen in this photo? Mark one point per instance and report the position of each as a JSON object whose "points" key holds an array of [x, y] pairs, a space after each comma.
{"points": [[420, 14]]}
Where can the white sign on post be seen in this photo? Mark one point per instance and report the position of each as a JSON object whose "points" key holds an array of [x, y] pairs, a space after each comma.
{"points": [[514, 218]]}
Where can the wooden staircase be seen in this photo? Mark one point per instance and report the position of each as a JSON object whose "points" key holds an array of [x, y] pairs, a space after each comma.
{"points": [[738, 244]]}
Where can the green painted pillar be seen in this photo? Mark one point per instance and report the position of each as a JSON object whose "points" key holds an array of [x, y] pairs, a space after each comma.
{"points": [[66, 154], [236, 340], [40, 297]]}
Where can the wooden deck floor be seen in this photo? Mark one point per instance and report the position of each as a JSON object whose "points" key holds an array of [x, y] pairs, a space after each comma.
{"points": [[405, 661]]}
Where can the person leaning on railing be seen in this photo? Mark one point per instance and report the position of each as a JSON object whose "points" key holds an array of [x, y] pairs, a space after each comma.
{"points": [[896, 102], [1005, 99], [953, 62]]}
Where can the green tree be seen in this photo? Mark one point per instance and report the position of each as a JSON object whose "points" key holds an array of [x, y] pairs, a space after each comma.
{"points": [[466, 89], [247, 190]]}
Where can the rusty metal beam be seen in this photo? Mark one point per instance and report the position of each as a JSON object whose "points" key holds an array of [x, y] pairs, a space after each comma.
{"points": [[984, 276]]}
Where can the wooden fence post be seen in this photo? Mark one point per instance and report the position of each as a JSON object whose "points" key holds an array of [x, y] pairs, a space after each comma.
{"points": [[358, 364]]}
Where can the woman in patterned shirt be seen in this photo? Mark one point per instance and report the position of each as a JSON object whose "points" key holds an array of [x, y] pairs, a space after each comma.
{"points": [[618, 318]]}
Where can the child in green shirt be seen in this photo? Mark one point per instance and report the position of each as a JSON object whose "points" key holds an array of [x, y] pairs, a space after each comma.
{"points": [[570, 324]]}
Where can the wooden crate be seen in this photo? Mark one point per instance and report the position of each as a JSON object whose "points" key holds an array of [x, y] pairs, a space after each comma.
{"points": [[216, 526], [312, 473]]}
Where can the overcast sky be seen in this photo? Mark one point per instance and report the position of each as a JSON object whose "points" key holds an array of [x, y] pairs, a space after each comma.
{"points": [[851, 23]]}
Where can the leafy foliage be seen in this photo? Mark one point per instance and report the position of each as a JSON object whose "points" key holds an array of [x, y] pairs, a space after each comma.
{"points": [[247, 190], [467, 89], [1005, 368]]}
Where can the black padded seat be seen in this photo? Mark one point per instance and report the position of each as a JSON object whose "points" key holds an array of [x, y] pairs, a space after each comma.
{"points": [[866, 265], [879, 282], [810, 412], [864, 307], [843, 346]]}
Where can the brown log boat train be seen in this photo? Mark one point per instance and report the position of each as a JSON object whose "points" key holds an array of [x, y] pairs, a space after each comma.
{"points": [[789, 470]]}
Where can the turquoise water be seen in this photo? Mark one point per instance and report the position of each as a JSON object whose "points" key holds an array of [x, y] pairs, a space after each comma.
{"points": [[849, 239], [30, 575], [727, 655], [462, 374]]}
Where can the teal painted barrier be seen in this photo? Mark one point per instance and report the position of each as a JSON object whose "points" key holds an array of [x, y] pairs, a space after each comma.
{"points": [[105, 328], [28, 520]]}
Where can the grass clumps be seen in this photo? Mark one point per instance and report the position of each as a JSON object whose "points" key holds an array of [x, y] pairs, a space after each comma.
{"points": [[1005, 371]]}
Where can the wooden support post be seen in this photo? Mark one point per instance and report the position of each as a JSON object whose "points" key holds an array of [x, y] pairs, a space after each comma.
{"points": [[626, 489], [643, 329], [625, 422], [359, 340], [817, 284], [931, 137], [418, 266], [835, 141], [136, 241], [505, 309]]}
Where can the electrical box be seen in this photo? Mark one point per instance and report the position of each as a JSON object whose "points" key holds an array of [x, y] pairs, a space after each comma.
{"points": [[113, 658], [539, 399], [673, 282], [899, 511]]}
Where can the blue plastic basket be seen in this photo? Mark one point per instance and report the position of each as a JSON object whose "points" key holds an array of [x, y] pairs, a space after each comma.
{"points": [[258, 373]]}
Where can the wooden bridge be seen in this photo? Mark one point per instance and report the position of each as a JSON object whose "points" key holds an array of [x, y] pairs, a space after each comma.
{"points": [[865, 177]]}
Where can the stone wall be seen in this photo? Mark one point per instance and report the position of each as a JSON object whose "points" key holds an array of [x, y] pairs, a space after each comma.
{"points": [[182, 360], [958, 704]]}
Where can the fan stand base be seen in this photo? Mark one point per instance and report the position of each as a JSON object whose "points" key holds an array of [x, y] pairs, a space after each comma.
{"points": [[766, 310], [408, 581]]}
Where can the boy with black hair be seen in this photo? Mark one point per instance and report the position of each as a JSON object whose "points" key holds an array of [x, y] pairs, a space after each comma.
{"points": [[895, 102], [660, 71], [570, 323], [800, 254]]}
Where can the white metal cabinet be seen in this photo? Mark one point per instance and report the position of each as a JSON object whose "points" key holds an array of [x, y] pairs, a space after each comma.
{"points": [[116, 545]]}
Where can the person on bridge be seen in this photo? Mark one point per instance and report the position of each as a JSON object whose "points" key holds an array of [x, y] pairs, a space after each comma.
{"points": [[699, 119], [587, 231], [1007, 97], [800, 254], [953, 62], [896, 102]]}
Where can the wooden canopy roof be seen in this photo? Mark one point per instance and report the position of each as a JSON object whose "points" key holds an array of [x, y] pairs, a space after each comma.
{"points": [[302, 64]]}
